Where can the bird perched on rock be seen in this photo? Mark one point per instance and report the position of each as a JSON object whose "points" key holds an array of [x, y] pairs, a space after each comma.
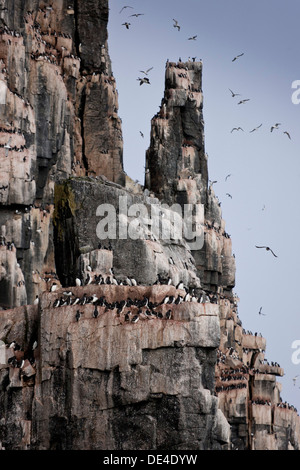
{"points": [[169, 314], [256, 128], [244, 101]]}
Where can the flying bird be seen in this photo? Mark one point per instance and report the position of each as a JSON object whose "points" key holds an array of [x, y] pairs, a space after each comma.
{"points": [[142, 134], [286, 132], [227, 177], [192, 38], [144, 80], [244, 101], [255, 129], [268, 249], [236, 57], [146, 71], [229, 195], [237, 129], [233, 94], [126, 6], [176, 25], [137, 14], [7, 147], [295, 378], [275, 126], [126, 24], [260, 312]]}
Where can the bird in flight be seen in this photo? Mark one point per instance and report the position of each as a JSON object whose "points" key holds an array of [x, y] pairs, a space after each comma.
{"points": [[144, 80], [146, 71], [237, 129], [142, 135], [126, 6], [233, 94], [260, 312], [126, 24], [236, 57], [229, 195], [275, 126], [286, 132], [227, 177], [176, 25], [137, 14], [192, 38], [244, 101], [255, 129], [268, 249]]}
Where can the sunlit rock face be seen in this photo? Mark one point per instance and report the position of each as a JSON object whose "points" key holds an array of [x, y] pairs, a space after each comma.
{"points": [[131, 339]]}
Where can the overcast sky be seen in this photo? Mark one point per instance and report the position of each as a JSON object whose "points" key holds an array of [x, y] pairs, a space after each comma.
{"points": [[264, 165]]}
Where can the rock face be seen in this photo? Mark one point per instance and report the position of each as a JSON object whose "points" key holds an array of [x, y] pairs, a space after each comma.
{"points": [[119, 327]]}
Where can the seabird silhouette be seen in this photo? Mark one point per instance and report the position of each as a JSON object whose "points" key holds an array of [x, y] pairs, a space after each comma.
{"points": [[268, 249], [255, 129], [176, 25], [244, 101], [234, 94], [137, 14], [7, 147], [144, 80], [192, 38], [237, 129], [237, 56], [126, 24], [275, 126], [286, 132], [142, 135], [77, 316], [260, 312], [169, 314], [146, 71], [229, 195], [227, 177]]}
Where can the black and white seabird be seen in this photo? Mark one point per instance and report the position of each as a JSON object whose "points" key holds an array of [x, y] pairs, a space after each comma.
{"points": [[126, 24], [95, 312], [237, 56], [176, 25], [180, 285], [127, 316], [36, 301], [169, 314], [135, 318], [275, 126]]}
